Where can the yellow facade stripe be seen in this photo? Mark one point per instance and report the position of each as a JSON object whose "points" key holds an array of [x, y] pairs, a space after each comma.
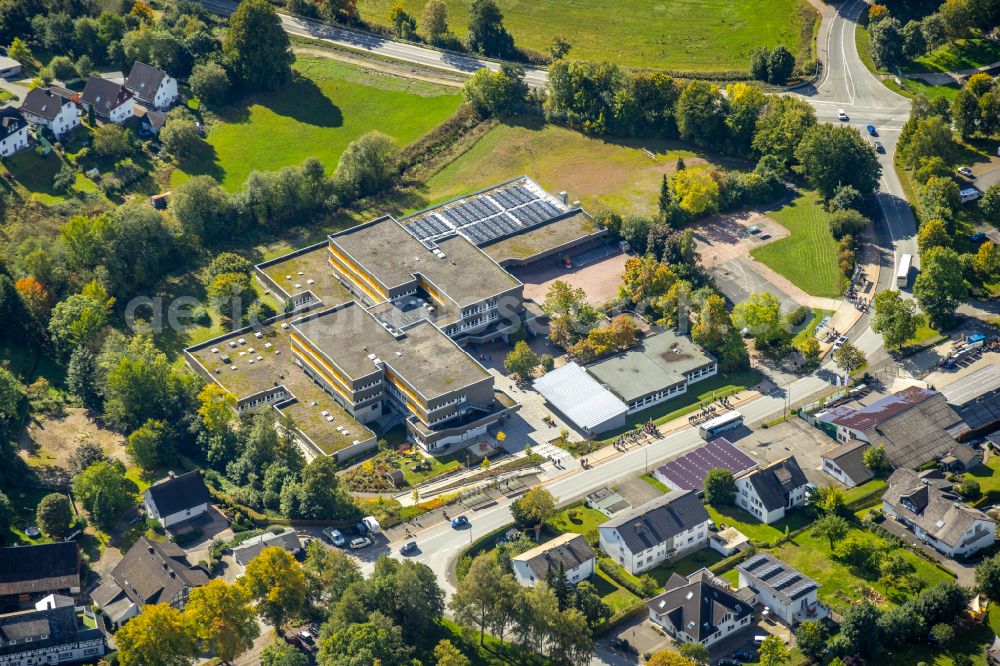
{"points": [[354, 280], [305, 344], [356, 270], [325, 376]]}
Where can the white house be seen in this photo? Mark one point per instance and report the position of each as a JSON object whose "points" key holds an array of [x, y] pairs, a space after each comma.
{"points": [[769, 492], [701, 608], [846, 463], [952, 528], [13, 131], [51, 634], [110, 101], [178, 499], [788, 595], [152, 87], [48, 108], [667, 527], [569, 551]]}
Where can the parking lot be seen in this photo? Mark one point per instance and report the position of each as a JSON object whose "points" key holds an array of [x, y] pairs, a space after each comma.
{"points": [[598, 278], [793, 437]]}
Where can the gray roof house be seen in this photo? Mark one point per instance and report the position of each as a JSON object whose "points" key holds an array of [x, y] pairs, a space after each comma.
{"points": [[49, 635], [701, 608], [569, 551], [607, 502], [769, 492], [251, 548], [177, 499], [108, 99], [151, 572], [789, 595], [951, 527], [641, 538], [976, 398], [846, 463], [40, 570]]}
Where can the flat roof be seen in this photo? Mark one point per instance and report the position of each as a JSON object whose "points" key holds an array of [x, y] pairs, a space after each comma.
{"points": [[392, 256], [688, 472], [658, 362], [280, 370], [293, 275], [425, 357], [973, 386], [565, 231], [579, 396]]}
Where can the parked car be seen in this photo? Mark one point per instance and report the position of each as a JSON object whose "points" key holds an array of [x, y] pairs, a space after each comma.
{"points": [[361, 529], [336, 537], [305, 636], [729, 662], [966, 171], [408, 547], [978, 237], [459, 521], [839, 342], [744, 655], [871, 130], [360, 542], [293, 640], [879, 148], [842, 114]]}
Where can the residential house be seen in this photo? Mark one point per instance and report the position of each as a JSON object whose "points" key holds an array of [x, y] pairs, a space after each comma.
{"points": [[607, 502], [49, 634], [846, 463], [771, 491], [962, 458], [788, 595], [569, 551], [30, 572], [150, 122], [662, 529], [152, 87], [701, 608], [951, 527], [13, 131], [110, 101], [915, 426], [251, 548], [151, 572], [177, 500], [50, 108]]}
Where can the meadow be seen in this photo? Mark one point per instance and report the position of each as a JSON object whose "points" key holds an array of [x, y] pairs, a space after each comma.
{"points": [[679, 35]]}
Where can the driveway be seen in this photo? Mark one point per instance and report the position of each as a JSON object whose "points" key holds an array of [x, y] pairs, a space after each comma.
{"points": [[965, 574]]}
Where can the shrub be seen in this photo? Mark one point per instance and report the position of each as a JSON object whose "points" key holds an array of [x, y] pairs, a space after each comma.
{"points": [[798, 316]]}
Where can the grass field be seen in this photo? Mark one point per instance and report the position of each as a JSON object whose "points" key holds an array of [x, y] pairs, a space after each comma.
{"points": [[602, 174], [957, 55], [317, 115], [35, 172], [732, 516], [913, 87], [807, 257], [679, 35]]}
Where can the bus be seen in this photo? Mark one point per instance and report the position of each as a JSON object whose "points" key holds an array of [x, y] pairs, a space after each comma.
{"points": [[903, 273], [714, 427]]}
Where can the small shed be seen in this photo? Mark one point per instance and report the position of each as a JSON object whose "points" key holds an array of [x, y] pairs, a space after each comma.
{"points": [[9, 67], [159, 201], [396, 478]]}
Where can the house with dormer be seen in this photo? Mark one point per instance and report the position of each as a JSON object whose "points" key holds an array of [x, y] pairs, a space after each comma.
{"points": [[952, 528], [49, 107], [701, 608], [50, 633], [787, 594], [569, 553], [770, 492], [152, 87], [151, 572], [13, 131], [110, 101]]}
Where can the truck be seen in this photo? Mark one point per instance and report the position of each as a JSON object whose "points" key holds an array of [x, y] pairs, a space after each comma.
{"points": [[903, 272]]}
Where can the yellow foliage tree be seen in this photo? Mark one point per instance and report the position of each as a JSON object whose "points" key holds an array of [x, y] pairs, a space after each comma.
{"points": [[697, 191]]}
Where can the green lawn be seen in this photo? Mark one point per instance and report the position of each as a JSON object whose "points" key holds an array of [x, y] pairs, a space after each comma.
{"points": [[578, 519], [864, 490], [913, 87], [732, 516], [317, 115], [656, 483], [685, 566], [807, 257], [807, 328], [925, 334], [957, 55], [988, 476], [704, 392], [35, 172], [679, 35]]}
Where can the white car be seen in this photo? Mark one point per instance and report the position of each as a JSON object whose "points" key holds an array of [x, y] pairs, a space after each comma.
{"points": [[840, 341], [842, 114], [360, 542], [336, 537], [966, 171]]}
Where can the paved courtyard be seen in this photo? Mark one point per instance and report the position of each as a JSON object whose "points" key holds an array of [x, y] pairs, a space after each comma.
{"points": [[599, 279]]}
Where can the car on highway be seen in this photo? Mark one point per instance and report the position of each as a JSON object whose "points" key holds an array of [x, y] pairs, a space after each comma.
{"points": [[871, 130], [408, 547], [879, 148], [842, 114], [966, 171], [459, 521], [336, 537], [360, 542]]}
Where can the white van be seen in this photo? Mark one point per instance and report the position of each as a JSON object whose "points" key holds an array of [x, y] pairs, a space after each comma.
{"points": [[371, 524], [969, 194]]}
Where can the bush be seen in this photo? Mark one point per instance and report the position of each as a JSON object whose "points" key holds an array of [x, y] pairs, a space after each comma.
{"points": [[641, 587], [847, 223], [798, 316]]}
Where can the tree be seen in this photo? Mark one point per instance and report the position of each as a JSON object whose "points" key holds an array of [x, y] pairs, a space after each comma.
{"points": [[940, 603], [487, 34], [139, 383], [151, 445], [367, 165], [914, 42], [112, 141], [434, 20], [20, 52], [696, 190], [860, 627], [939, 198], [986, 262], [85, 455], [104, 492], [449, 655], [571, 640], [759, 57], [7, 516], [35, 297], [944, 633], [223, 621], [940, 287], [831, 526], [832, 156], [846, 198], [560, 48], [274, 580], [217, 408], [496, 93], [969, 488], [780, 64], [231, 293], [989, 205], [535, 507], [474, 599], [180, 136], [696, 653], [377, 641], [521, 361], [810, 350], [772, 651], [895, 318], [886, 43], [701, 113], [933, 233], [256, 50], [404, 25], [875, 459], [761, 313], [988, 576], [899, 625], [78, 321], [810, 637], [720, 487], [926, 138], [669, 658], [849, 358], [281, 653], [847, 223], [54, 515], [781, 126], [159, 636], [206, 212]]}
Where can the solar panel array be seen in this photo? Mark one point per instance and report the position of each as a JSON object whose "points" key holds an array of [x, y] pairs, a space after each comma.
{"points": [[785, 580], [688, 472], [485, 218]]}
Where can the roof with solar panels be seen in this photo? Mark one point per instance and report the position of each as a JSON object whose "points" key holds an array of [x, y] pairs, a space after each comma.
{"points": [[765, 571], [490, 215]]}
